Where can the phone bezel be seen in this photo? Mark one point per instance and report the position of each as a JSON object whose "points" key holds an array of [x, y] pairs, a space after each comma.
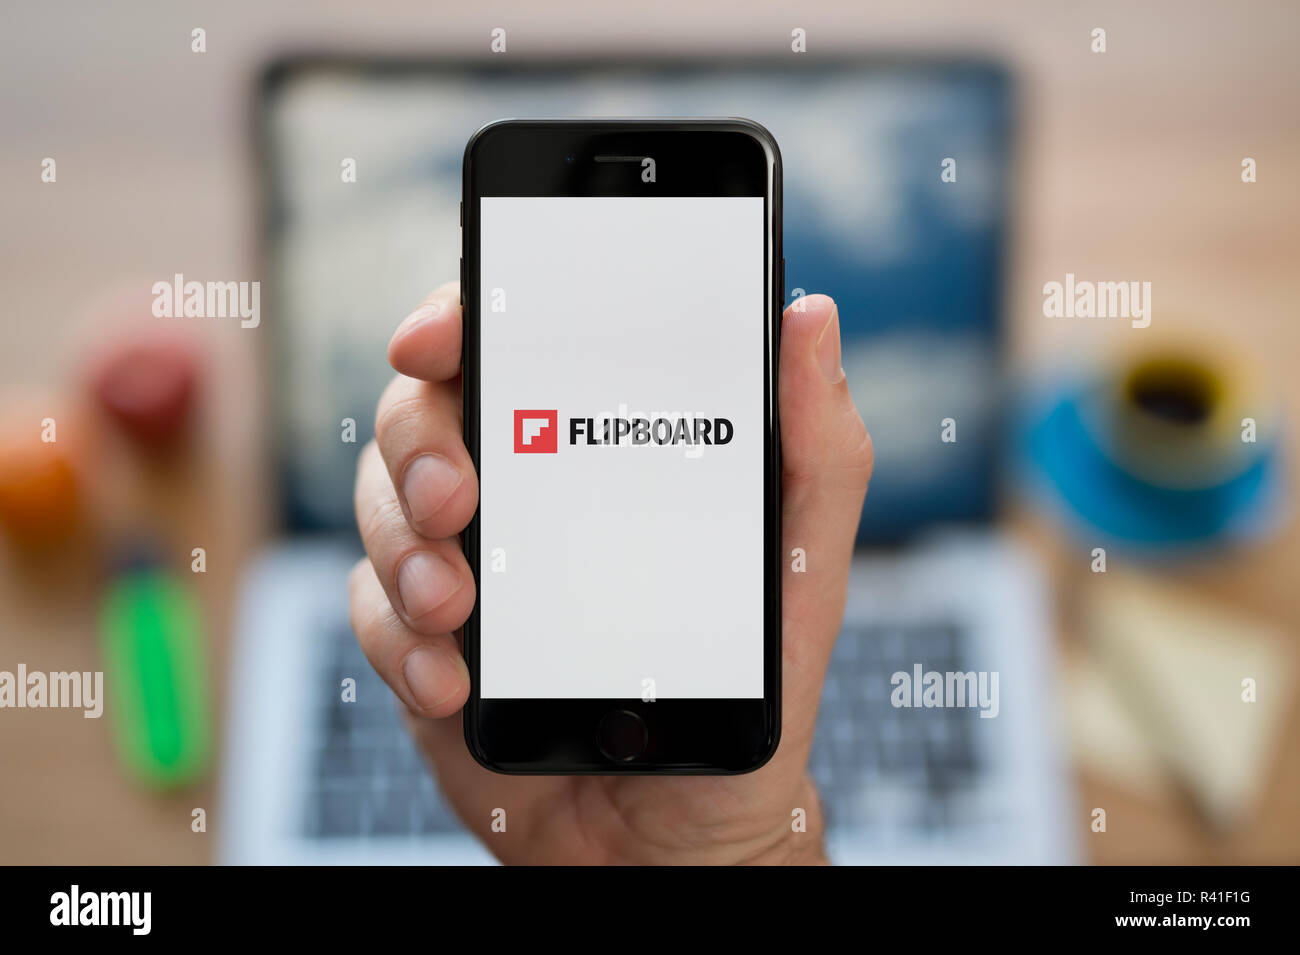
{"points": [[727, 156]]}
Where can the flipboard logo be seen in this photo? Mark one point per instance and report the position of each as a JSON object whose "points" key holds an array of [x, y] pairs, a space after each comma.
{"points": [[535, 432]]}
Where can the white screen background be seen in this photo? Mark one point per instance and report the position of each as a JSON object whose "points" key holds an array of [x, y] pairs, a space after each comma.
{"points": [[622, 564]]}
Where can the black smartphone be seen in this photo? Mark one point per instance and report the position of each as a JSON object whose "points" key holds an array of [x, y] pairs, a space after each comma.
{"points": [[622, 284]]}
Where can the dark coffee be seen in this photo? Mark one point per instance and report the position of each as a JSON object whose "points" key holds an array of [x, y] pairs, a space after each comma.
{"points": [[1174, 394]]}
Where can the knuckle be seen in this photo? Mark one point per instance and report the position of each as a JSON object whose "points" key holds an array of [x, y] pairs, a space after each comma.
{"points": [[375, 525], [399, 405], [860, 453], [360, 612]]}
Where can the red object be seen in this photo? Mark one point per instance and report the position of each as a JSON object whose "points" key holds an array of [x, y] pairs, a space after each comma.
{"points": [[148, 388], [535, 432]]}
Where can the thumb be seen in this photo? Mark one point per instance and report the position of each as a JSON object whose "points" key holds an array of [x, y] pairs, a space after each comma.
{"points": [[826, 463]]}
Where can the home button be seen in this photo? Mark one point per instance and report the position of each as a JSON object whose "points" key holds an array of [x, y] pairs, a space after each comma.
{"points": [[622, 735]]}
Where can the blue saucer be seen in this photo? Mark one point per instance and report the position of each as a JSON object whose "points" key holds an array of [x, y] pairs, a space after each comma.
{"points": [[1106, 499]]}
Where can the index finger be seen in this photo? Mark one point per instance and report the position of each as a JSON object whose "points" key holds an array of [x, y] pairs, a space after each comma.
{"points": [[427, 343]]}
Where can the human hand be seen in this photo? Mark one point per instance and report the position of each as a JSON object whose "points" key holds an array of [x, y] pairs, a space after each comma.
{"points": [[416, 490]]}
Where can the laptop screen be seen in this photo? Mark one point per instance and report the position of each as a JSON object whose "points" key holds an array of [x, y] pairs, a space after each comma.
{"points": [[895, 204]]}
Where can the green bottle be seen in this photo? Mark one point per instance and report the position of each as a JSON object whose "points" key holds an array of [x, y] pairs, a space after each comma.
{"points": [[155, 676]]}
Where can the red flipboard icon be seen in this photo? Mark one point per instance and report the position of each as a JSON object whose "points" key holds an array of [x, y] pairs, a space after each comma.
{"points": [[535, 432]]}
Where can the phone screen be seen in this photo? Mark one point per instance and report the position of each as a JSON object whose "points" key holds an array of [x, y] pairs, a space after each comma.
{"points": [[621, 370]]}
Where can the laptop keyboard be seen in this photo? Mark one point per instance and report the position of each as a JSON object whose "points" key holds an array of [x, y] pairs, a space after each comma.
{"points": [[883, 768], [368, 778], [877, 768]]}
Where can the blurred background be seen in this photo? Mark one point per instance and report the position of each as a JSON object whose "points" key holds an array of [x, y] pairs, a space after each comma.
{"points": [[1096, 509]]}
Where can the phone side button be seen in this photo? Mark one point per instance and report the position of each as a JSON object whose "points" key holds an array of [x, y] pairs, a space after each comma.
{"points": [[462, 284], [622, 735]]}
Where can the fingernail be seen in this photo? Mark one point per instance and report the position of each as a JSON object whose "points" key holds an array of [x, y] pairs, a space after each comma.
{"points": [[424, 582], [429, 480], [430, 675], [424, 313], [828, 348]]}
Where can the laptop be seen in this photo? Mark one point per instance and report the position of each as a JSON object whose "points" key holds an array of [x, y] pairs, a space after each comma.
{"points": [[873, 216]]}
